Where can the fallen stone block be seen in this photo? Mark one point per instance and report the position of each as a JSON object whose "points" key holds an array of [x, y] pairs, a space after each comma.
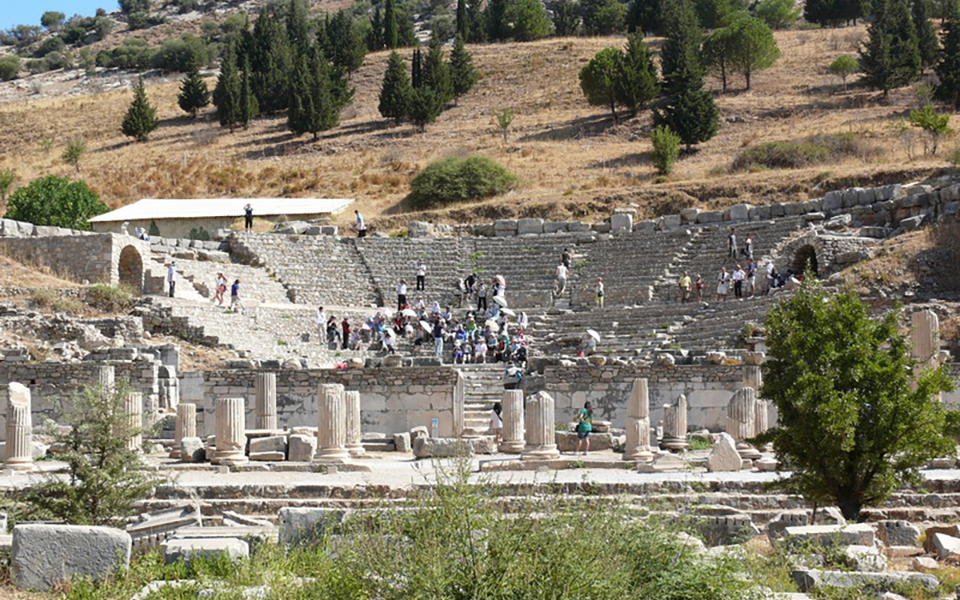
{"points": [[812, 579], [946, 546], [724, 456], [44, 556], [450, 447], [273, 443], [924, 563], [831, 535], [189, 549], [153, 528], [951, 530], [299, 526], [402, 442], [865, 558], [898, 533], [192, 450], [302, 447]]}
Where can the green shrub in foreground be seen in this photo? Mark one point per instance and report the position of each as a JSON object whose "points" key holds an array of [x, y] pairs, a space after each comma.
{"points": [[55, 201], [666, 149], [459, 179]]}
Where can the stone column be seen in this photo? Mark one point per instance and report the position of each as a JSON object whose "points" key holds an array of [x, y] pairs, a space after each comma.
{"points": [[752, 376], [231, 432], [265, 394], [638, 423], [675, 426], [133, 411], [354, 426], [741, 421], [184, 427], [924, 337], [332, 425], [105, 379], [511, 438], [541, 433], [762, 422], [18, 453]]}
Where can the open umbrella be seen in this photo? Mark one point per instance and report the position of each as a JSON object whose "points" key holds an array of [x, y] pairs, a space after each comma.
{"points": [[408, 312], [501, 280], [426, 326], [500, 300], [492, 325], [385, 311], [593, 334], [508, 312], [390, 333]]}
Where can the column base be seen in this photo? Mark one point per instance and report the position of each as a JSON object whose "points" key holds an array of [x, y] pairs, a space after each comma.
{"points": [[512, 447], [747, 452], [336, 456], [675, 444], [541, 453], [20, 465], [639, 454], [231, 459], [357, 450]]}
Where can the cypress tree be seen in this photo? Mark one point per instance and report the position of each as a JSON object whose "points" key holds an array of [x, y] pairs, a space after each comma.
{"points": [[194, 93], [436, 72], [141, 117], [463, 28], [425, 106], [566, 20], [391, 33], [416, 68], [948, 69], [645, 16], [248, 101], [462, 73], [315, 100], [927, 40], [270, 64], [495, 17], [297, 31], [395, 90], [226, 96], [636, 83], [692, 114], [301, 102], [344, 46], [680, 59], [375, 35], [477, 30], [891, 58]]}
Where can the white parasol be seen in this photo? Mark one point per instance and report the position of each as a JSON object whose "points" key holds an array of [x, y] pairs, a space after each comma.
{"points": [[500, 300], [501, 280], [408, 312], [593, 334], [508, 312], [492, 325], [385, 311], [389, 332], [426, 326]]}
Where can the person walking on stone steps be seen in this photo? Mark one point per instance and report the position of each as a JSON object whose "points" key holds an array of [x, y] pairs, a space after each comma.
{"points": [[421, 276], [738, 277], [732, 244], [361, 225], [584, 427], [321, 322], [751, 277], [685, 285], [496, 421], [599, 291], [565, 258], [438, 339], [172, 276], [345, 325], [221, 288], [248, 217], [481, 295], [561, 283], [401, 295], [748, 248], [235, 303]]}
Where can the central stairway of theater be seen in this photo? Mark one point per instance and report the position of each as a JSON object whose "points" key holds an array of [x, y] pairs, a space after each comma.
{"points": [[483, 385]]}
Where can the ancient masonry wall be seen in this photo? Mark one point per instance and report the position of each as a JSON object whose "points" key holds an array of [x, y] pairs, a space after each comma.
{"points": [[49, 381], [391, 400], [80, 256]]}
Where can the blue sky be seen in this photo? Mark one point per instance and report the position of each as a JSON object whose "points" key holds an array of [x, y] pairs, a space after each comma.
{"points": [[27, 12]]}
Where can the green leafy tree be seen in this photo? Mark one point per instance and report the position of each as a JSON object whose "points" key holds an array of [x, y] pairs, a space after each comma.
{"points": [[692, 114], [463, 75], [754, 47], [891, 57], [528, 20], [715, 13], [927, 40], [666, 149], [9, 68], [416, 68], [436, 72], [141, 117], [463, 23], [777, 14], [55, 201], [104, 478], [821, 12], [52, 20], [476, 24], [936, 125], [495, 19], [566, 18], [948, 69], [680, 60], [844, 66], [194, 93], [76, 148], [395, 90], [226, 95], [298, 31], [391, 32], [7, 178], [598, 79], [504, 119], [718, 50], [603, 17], [375, 33], [636, 84], [271, 62], [133, 6], [854, 424]]}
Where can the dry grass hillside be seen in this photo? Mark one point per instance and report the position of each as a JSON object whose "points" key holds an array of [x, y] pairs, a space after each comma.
{"points": [[572, 159]]}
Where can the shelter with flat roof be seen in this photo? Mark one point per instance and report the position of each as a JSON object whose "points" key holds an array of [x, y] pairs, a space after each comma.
{"points": [[201, 218]]}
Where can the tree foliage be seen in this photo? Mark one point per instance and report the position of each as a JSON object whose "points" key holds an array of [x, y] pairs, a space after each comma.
{"points": [[74, 151], [271, 61], [927, 41], [55, 201], [853, 424], [141, 117], [891, 57], [104, 479], [843, 66], [666, 149], [680, 60], [315, 101], [463, 75], [598, 79], [948, 69], [527, 20], [777, 14], [603, 17], [391, 32], [936, 125], [692, 114], [566, 18], [753, 46], [636, 84], [457, 180], [194, 93], [226, 95], [395, 90], [645, 16]]}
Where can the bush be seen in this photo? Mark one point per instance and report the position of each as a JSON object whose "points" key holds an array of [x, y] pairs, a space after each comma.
{"points": [[777, 14], [134, 6], [181, 55], [55, 201], [666, 149], [110, 298], [9, 68], [457, 180], [133, 54], [51, 44], [812, 150]]}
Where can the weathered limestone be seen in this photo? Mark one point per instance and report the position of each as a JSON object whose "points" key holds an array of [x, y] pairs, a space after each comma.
{"points": [[332, 425], [762, 422], [724, 455], [512, 436], [638, 423], [133, 411], [752, 376], [106, 378], [354, 429], [540, 428], [675, 426], [741, 421], [265, 395], [45, 556], [924, 336], [231, 432], [188, 549], [17, 453], [184, 427]]}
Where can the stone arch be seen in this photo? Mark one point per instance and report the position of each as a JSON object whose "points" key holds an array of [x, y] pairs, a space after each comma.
{"points": [[805, 258], [130, 268]]}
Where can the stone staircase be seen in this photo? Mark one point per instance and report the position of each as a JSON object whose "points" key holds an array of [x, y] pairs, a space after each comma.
{"points": [[256, 284], [483, 385]]}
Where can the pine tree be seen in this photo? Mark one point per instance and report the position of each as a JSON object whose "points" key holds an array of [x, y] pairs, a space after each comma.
{"points": [[753, 45], [226, 96], [526, 20], [822, 12], [375, 35], [718, 54], [436, 72], [477, 27], [314, 100], [391, 33], [598, 79], [416, 69], [636, 83], [927, 40], [297, 30], [692, 114], [680, 59], [194, 93], [141, 117], [344, 45], [948, 69], [395, 90], [891, 58], [463, 27], [462, 73], [425, 106], [270, 64], [566, 20], [301, 109], [645, 16], [495, 17], [248, 101]]}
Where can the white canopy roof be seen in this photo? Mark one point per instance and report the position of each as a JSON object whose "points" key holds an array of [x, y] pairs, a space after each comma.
{"points": [[152, 208]]}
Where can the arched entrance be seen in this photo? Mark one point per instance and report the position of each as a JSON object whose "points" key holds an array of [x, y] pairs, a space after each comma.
{"points": [[805, 259], [131, 268]]}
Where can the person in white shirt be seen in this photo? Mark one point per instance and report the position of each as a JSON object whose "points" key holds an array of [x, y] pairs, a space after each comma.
{"points": [[771, 275], [496, 421], [321, 323], [723, 285], [361, 225], [739, 275], [172, 276], [599, 291], [421, 276], [561, 280], [401, 295]]}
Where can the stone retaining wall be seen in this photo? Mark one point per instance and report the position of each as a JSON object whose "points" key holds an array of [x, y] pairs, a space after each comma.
{"points": [[391, 400]]}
